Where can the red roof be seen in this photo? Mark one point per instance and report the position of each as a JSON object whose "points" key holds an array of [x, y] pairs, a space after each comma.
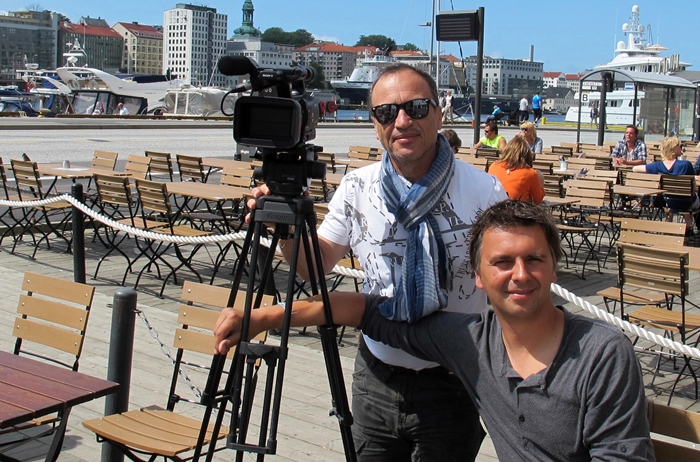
{"points": [[100, 31], [141, 30], [573, 76], [326, 48], [551, 75]]}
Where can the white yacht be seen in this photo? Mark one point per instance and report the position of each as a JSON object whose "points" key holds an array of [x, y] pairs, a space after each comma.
{"points": [[355, 89], [638, 54]]}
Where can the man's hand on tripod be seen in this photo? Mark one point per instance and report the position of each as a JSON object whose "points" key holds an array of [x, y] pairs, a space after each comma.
{"points": [[347, 309], [256, 192]]}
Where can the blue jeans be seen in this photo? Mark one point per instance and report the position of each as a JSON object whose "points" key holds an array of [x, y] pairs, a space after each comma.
{"points": [[402, 415]]}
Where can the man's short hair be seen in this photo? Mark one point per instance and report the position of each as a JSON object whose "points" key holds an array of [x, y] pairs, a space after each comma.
{"points": [[493, 126], [510, 214], [636, 130], [452, 138], [400, 67]]}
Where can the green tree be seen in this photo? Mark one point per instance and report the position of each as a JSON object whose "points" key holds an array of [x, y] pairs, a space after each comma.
{"points": [[275, 35], [380, 41], [300, 37], [319, 81], [410, 47]]}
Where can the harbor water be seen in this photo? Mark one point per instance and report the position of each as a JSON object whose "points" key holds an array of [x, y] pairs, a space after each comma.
{"points": [[348, 114]]}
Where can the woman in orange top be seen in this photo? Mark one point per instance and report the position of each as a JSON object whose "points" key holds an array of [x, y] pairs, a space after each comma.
{"points": [[515, 172]]}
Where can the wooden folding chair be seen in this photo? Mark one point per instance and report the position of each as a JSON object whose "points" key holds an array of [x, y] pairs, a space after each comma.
{"points": [[154, 431], [160, 165], [7, 217], [155, 205], [55, 215], [51, 323], [648, 233], [663, 271], [138, 166], [675, 433]]}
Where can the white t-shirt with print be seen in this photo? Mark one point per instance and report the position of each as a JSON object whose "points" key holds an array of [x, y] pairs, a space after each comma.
{"points": [[358, 217]]}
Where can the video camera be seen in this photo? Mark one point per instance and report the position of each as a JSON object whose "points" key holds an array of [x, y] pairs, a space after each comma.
{"points": [[279, 122]]}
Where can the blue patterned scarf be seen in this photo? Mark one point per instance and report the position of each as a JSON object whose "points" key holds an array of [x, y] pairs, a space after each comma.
{"points": [[424, 283]]}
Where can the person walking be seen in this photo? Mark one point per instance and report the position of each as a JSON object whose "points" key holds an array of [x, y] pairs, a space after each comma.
{"points": [[447, 110], [523, 108], [406, 219], [537, 107]]}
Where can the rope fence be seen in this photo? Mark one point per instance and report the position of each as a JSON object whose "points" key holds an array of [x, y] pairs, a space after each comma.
{"points": [[354, 273]]}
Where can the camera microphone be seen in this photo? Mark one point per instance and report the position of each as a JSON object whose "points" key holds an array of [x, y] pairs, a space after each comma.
{"points": [[236, 65]]}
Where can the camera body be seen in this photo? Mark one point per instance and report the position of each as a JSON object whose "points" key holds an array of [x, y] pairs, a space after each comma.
{"points": [[279, 121]]}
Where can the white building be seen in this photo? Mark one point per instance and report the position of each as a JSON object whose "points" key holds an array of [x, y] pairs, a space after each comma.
{"points": [[554, 79], [502, 76], [194, 38]]}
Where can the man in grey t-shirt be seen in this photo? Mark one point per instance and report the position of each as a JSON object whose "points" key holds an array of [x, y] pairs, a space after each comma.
{"points": [[549, 385]]}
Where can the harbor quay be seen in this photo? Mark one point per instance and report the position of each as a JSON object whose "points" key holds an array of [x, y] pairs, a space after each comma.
{"points": [[306, 432]]}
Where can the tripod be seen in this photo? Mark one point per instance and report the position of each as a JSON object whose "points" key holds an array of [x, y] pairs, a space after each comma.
{"points": [[283, 212]]}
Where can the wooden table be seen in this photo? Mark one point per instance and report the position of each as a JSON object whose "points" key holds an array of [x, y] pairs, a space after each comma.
{"points": [[30, 389], [551, 201], [636, 191], [75, 172], [206, 191]]}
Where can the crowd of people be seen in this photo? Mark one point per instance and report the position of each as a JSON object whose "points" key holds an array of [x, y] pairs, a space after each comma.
{"points": [[437, 238]]}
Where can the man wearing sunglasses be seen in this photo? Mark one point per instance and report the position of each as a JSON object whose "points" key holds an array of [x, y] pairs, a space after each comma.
{"points": [[491, 137], [407, 219]]}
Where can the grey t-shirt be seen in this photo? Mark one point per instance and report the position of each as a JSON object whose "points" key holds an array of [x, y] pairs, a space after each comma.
{"points": [[587, 405]]}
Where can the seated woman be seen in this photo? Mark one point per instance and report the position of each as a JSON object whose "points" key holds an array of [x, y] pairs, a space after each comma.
{"points": [[515, 172], [496, 115], [492, 138], [670, 165], [529, 133]]}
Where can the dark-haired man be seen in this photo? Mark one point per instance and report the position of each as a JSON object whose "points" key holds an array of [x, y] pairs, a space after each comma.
{"points": [[550, 385], [407, 219], [630, 150]]}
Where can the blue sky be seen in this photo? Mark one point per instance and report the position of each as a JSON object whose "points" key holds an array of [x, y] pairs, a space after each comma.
{"points": [[568, 36]]}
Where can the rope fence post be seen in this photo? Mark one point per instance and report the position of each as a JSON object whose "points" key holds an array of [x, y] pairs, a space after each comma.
{"points": [[121, 352], [78, 220]]}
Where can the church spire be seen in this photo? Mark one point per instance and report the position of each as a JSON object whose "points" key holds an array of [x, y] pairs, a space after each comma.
{"points": [[247, 28]]}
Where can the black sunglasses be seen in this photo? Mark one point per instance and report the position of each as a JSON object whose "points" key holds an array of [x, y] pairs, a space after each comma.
{"points": [[415, 109]]}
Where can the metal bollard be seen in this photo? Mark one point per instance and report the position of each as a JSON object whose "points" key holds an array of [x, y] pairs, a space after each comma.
{"points": [[78, 219], [121, 349]]}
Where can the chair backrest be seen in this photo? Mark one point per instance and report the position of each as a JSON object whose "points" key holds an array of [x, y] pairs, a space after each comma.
{"points": [[567, 151], [678, 185], [546, 167], [358, 163], [487, 152], [611, 175], [137, 166], [200, 308], [554, 185], [548, 157], [329, 159], [681, 430], [54, 313], [114, 190], [5, 184], [642, 180], [651, 232], [238, 177], [574, 146], [27, 178], [154, 198], [581, 162], [652, 269], [160, 164], [359, 152], [190, 168], [104, 159], [588, 192]]}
